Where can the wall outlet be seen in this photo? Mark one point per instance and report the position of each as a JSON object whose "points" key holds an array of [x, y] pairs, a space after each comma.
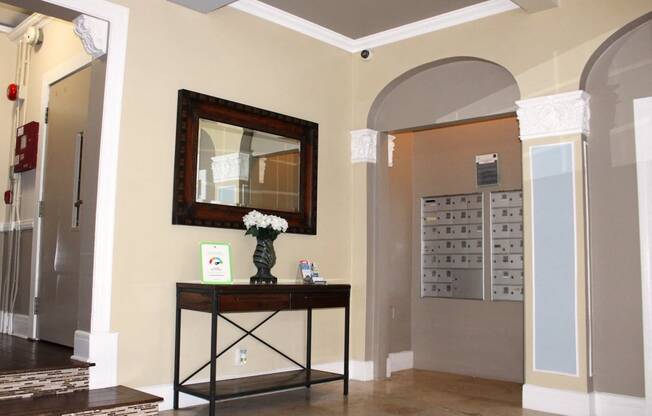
{"points": [[240, 357]]}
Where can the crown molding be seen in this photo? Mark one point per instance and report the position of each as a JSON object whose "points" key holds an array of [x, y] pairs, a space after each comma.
{"points": [[35, 19], [5, 29], [298, 24], [435, 23], [442, 21]]}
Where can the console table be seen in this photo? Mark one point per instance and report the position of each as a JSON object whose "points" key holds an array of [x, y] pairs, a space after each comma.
{"points": [[219, 300]]}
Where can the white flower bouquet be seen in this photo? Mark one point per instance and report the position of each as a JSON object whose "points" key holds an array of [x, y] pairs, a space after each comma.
{"points": [[262, 226]]}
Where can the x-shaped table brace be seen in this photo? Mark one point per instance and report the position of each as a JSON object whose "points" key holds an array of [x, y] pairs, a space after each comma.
{"points": [[247, 333]]}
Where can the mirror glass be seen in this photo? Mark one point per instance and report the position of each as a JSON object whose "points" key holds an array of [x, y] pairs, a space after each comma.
{"points": [[247, 168]]}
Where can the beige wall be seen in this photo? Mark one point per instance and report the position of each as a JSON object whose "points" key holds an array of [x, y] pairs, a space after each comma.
{"points": [[8, 52], [478, 338], [238, 57], [622, 74], [546, 52]]}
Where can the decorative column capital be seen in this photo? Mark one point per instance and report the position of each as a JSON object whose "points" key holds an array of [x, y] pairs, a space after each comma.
{"points": [[230, 167], [363, 146], [554, 115], [94, 34]]}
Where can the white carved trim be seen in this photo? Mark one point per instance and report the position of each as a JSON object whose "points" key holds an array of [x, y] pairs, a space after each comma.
{"points": [[554, 115], [6, 29], [390, 150], [231, 167], [34, 20], [262, 165], [93, 33], [363, 146], [442, 21]]}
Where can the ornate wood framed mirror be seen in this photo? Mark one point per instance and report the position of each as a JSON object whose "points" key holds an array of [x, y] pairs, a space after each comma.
{"points": [[232, 158]]}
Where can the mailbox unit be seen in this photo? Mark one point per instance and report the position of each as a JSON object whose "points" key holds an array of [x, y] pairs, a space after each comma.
{"points": [[507, 246], [452, 246]]}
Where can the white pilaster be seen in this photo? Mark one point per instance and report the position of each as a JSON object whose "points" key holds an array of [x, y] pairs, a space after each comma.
{"points": [[363, 146], [554, 115]]}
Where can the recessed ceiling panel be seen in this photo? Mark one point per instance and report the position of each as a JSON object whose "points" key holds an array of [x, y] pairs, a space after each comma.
{"points": [[359, 18], [204, 6], [12, 16]]}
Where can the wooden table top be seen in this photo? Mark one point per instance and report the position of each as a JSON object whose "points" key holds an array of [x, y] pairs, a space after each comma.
{"points": [[248, 288]]}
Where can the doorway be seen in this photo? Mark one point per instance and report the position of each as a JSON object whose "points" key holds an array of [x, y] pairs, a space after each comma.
{"points": [[60, 207]]}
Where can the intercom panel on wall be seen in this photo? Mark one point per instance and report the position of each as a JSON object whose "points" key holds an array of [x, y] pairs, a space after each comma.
{"points": [[452, 246], [507, 245]]}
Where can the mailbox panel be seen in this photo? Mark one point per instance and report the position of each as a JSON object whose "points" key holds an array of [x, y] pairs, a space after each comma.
{"points": [[452, 246], [507, 245]]}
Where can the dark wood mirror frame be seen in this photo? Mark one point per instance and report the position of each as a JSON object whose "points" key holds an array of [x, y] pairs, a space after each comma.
{"points": [[192, 107]]}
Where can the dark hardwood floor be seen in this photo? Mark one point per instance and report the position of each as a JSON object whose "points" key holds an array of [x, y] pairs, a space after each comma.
{"points": [[81, 401], [19, 355]]}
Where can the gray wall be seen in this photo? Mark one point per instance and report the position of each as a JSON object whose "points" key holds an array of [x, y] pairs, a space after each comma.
{"points": [[477, 338], [444, 91], [392, 250], [622, 73]]}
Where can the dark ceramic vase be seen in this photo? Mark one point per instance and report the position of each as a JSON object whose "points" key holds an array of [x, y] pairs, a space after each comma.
{"points": [[264, 260]]}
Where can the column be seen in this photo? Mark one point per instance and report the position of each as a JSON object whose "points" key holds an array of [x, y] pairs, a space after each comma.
{"points": [[363, 158], [557, 332]]}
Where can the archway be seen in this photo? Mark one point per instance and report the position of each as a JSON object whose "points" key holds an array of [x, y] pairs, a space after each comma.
{"points": [[448, 92], [618, 73]]}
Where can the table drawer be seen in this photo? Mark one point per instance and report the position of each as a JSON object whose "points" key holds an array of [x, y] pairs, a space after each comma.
{"points": [[195, 301], [255, 302], [319, 300]]}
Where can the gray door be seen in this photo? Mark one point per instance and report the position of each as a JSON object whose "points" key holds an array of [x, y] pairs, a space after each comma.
{"points": [[59, 249]]}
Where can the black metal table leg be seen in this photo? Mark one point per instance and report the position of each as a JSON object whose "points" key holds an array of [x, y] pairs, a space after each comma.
{"points": [[308, 347], [213, 369], [346, 349], [177, 352]]}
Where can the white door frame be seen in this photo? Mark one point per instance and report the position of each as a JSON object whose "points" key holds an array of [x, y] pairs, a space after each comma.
{"points": [[60, 72], [643, 143], [100, 344]]}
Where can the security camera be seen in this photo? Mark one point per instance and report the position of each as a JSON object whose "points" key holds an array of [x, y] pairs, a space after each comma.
{"points": [[366, 54]]}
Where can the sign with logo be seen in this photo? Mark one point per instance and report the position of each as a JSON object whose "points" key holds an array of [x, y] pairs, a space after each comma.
{"points": [[216, 263]]}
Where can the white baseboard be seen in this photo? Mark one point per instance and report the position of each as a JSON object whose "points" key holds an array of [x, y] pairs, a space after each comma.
{"points": [[572, 403], [21, 326], [399, 361], [358, 370], [615, 404], [100, 349]]}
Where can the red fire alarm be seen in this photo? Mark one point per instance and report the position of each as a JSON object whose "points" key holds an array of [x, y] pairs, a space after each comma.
{"points": [[12, 92], [9, 197]]}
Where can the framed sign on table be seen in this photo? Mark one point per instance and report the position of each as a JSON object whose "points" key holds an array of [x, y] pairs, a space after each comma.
{"points": [[216, 263]]}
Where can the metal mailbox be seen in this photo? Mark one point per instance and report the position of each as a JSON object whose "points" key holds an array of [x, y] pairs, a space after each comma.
{"points": [[452, 246]]}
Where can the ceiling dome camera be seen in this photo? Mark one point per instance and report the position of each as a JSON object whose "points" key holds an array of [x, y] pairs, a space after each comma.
{"points": [[366, 54]]}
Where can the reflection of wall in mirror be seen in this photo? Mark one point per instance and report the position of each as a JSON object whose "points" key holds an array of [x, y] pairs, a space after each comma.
{"points": [[274, 181]]}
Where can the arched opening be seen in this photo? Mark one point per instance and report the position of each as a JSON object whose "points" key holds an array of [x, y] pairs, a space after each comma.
{"points": [[617, 74], [447, 90], [441, 115]]}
